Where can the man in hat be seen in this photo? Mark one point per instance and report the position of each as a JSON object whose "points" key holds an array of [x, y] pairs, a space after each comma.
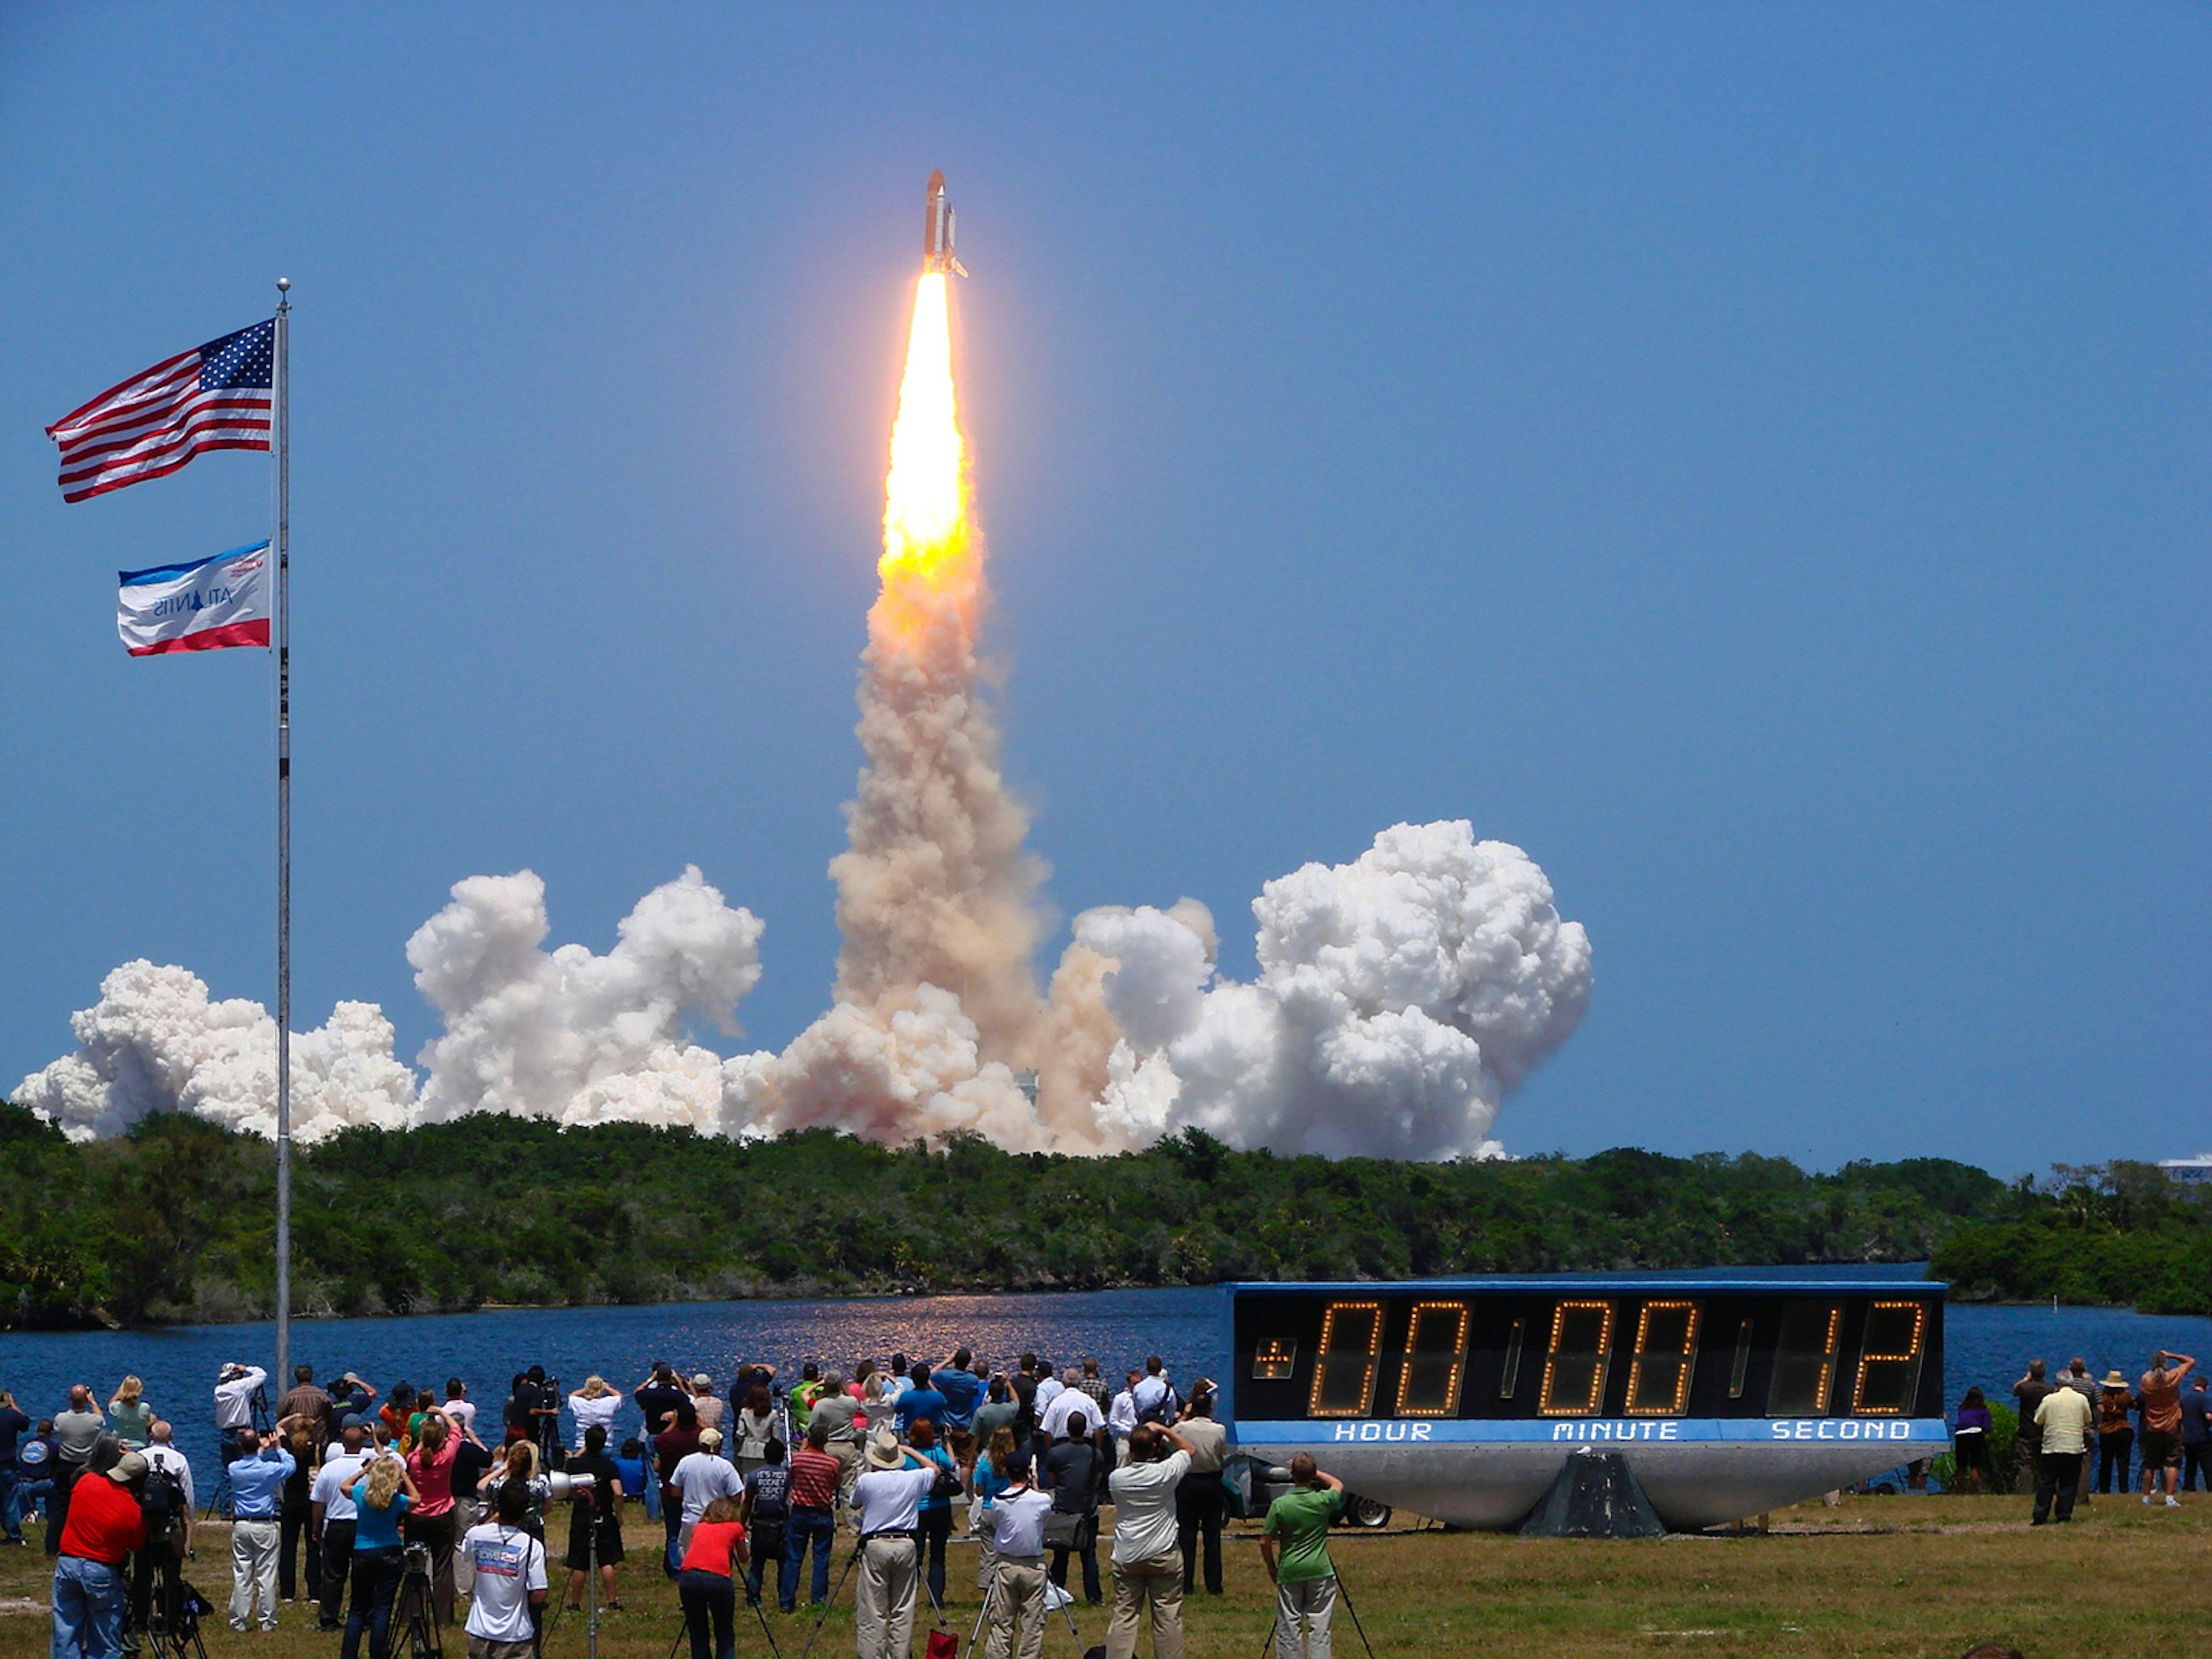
{"points": [[235, 1389], [706, 1401], [699, 1478], [104, 1527], [1294, 1546], [2158, 1394], [889, 1498]]}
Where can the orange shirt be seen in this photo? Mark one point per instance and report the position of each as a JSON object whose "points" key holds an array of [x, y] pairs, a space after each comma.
{"points": [[2158, 1394], [711, 1544]]}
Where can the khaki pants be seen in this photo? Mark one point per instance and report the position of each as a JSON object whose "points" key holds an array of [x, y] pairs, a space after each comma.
{"points": [[884, 1604], [1304, 1609], [1017, 1608], [987, 1554], [1155, 1582], [848, 1468], [252, 1573]]}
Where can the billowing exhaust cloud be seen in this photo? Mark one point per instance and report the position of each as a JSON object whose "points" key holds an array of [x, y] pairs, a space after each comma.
{"points": [[1399, 998]]}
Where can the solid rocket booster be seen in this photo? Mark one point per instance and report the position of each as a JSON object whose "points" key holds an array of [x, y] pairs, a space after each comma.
{"points": [[937, 230]]}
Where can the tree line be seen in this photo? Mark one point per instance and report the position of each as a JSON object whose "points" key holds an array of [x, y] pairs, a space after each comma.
{"points": [[175, 1220]]}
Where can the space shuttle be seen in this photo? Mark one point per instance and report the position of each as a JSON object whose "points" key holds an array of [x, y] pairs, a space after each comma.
{"points": [[937, 230]]}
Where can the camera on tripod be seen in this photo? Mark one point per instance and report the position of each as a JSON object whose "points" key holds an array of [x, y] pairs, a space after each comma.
{"points": [[557, 1486]]}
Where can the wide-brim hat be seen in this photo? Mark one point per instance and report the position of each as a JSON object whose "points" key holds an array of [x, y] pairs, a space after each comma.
{"points": [[2114, 1380], [884, 1450]]}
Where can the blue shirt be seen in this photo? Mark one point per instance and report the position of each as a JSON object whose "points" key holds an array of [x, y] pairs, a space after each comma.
{"points": [[918, 1402], [12, 1423], [376, 1529], [257, 1484], [938, 1457], [961, 1389], [2194, 1405]]}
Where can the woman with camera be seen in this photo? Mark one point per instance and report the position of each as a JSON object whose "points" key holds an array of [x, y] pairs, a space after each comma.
{"points": [[707, 1581], [434, 1519], [381, 1498]]}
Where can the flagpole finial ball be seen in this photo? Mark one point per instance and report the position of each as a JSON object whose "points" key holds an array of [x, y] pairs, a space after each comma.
{"points": [[283, 284]]}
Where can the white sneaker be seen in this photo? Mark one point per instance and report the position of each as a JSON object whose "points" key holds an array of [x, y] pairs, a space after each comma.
{"points": [[2171, 1502], [2146, 1500]]}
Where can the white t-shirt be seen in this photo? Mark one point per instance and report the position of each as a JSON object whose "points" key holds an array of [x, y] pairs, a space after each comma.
{"points": [[1052, 1418], [1020, 1519], [463, 1413], [334, 1483], [160, 1456], [233, 1401], [587, 1411], [702, 1477], [509, 1563], [890, 1500], [1145, 1507]]}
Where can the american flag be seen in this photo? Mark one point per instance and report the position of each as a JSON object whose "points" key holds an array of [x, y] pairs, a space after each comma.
{"points": [[215, 397]]}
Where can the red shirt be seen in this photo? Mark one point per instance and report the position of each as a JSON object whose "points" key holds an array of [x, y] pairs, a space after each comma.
{"points": [[105, 1521], [434, 1477], [711, 1544], [814, 1477]]}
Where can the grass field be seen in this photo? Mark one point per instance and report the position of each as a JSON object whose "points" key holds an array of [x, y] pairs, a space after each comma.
{"points": [[1887, 1575]]}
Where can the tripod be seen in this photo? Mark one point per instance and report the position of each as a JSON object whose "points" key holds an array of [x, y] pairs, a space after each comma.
{"points": [[418, 1624], [173, 1624]]}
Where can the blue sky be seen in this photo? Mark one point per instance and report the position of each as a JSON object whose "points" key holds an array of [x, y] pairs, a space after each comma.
{"points": [[1754, 459]]}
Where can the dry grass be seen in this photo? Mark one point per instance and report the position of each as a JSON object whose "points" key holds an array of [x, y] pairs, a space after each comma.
{"points": [[1924, 1577]]}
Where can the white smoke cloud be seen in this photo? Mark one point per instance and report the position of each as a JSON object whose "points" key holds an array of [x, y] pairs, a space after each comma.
{"points": [[155, 1042], [1400, 998]]}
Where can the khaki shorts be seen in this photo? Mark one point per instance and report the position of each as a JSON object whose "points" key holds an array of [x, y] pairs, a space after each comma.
{"points": [[482, 1647]]}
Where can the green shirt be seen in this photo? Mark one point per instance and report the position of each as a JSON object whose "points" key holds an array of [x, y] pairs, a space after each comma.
{"points": [[1301, 1518]]}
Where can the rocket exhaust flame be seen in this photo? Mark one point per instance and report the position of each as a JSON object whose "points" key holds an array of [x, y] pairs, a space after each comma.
{"points": [[1400, 997]]}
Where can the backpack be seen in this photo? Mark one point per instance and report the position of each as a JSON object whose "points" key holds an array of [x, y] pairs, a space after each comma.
{"points": [[162, 1502], [1168, 1405]]}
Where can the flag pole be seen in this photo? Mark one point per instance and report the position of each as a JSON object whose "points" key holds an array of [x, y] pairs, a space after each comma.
{"points": [[281, 374]]}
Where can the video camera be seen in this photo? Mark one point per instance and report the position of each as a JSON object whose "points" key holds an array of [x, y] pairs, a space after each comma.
{"points": [[557, 1486]]}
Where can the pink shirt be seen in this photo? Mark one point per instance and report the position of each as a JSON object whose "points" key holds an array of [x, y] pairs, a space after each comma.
{"points": [[434, 1477]]}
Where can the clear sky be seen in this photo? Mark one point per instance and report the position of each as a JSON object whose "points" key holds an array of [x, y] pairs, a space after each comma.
{"points": [[1755, 459]]}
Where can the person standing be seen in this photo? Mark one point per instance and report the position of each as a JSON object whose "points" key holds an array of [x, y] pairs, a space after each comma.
{"points": [[676, 1440], [335, 1521], [433, 1519], [920, 1403], [595, 1403], [165, 1499], [1201, 1505], [1969, 1441], [296, 1519], [708, 1405], [2027, 1444], [765, 1509], [814, 1477], [104, 1526], [1122, 1417], [507, 1565], [380, 1501], [2114, 1435], [461, 1410], [839, 1414], [706, 1583], [1147, 1567], [956, 1380], [256, 1501], [1018, 1579], [2159, 1392], [2196, 1434], [1294, 1546], [702, 1477], [1074, 1472], [933, 1522], [1100, 1391], [2064, 1420], [76, 1431], [756, 1427], [595, 1520], [15, 1427], [129, 1419], [889, 1497]]}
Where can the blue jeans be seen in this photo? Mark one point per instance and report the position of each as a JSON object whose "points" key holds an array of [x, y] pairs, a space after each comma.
{"points": [[88, 1609], [757, 1565], [376, 1576], [11, 1520], [821, 1526]]}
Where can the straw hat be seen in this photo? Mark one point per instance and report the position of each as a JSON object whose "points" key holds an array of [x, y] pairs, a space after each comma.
{"points": [[884, 1450], [2114, 1380]]}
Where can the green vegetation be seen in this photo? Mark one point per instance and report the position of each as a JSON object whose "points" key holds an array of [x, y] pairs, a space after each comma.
{"points": [[175, 1220]]}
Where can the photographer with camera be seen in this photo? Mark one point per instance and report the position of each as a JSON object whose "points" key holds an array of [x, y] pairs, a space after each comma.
{"points": [[381, 1498], [166, 1501], [257, 1499], [595, 1519], [235, 1386], [432, 1518], [331, 1505]]}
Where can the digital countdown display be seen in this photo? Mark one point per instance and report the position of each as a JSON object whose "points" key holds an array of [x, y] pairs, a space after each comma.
{"points": [[1598, 1351]]}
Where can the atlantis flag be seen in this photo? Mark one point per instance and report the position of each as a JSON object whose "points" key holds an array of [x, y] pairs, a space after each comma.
{"points": [[217, 396], [201, 606]]}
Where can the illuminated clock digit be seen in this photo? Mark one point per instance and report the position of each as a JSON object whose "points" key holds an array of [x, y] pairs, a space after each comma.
{"points": [[1273, 1359], [1576, 1364], [1805, 1360], [1344, 1364], [1436, 1360], [1889, 1359], [1666, 1353]]}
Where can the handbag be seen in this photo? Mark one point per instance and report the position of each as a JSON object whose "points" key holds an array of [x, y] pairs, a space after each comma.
{"points": [[943, 1644], [1063, 1532]]}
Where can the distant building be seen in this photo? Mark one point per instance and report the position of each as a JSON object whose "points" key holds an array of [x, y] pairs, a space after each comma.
{"points": [[2189, 1172]]}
